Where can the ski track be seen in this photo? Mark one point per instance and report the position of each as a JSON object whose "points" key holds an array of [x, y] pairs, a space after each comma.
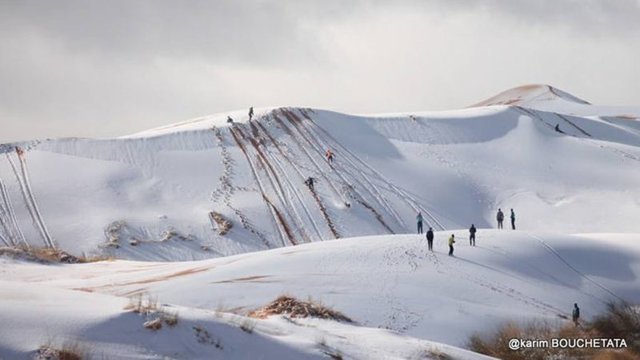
{"points": [[580, 273], [227, 189], [27, 202], [5, 213], [291, 190], [546, 274], [346, 183], [317, 141], [27, 182], [252, 166], [373, 173], [301, 177], [534, 115], [276, 186]]}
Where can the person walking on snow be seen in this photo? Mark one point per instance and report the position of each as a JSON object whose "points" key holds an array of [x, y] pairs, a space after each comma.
{"points": [[430, 238], [309, 182], [575, 315], [472, 235], [250, 113], [513, 220], [500, 218], [419, 220], [451, 242], [229, 119], [329, 155]]}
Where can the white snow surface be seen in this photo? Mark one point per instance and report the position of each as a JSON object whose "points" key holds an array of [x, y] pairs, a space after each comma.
{"points": [[147, 200], [389, 282], [158, 187]]}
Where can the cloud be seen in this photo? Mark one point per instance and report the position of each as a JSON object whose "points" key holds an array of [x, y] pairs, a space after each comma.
{"points": [[96, 68]]}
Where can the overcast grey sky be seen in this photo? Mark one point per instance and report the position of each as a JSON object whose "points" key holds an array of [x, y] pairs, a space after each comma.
{"points": [[106, 68]]}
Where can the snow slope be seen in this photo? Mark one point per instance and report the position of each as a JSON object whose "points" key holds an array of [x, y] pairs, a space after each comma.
{"points": [[158, 188], [389, 282]]}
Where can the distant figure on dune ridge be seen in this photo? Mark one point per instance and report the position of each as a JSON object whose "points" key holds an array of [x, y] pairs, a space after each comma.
{"points": [[472, 235], [557, 128], [513, 220], [419, 220], [452, 241], [500, 218], [229, 119], [430, 239], [250, 113]]}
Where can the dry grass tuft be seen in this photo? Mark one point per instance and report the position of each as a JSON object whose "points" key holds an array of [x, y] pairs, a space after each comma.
{"points": [[47, 255], [224, 225], [620, 321], [155, 324], [287, 305], [68, 351]]}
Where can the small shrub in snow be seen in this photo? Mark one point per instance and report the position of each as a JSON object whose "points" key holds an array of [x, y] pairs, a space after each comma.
{"points": [[142, 305], [155, 324], [222, 223], [287, 305], [171, 319], [47, 255], [68, 351]]}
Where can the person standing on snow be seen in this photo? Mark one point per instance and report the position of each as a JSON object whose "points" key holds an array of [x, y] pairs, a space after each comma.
{"points": [[472, 235], [250, 113], [430, 238], [500, 218], [229, 119], [575, 315], [419, 220], [451, 242], [513, 220]]}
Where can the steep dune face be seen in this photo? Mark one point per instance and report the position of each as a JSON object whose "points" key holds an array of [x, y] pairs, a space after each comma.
{"points": [[164, 193]]}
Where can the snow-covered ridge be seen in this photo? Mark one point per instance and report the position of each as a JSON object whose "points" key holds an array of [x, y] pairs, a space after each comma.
{"points": [[156, 195], [526, 94]]}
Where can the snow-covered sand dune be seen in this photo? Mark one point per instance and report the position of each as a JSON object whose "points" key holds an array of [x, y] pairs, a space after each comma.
{"points": [[389, 282], [158, 188], [213, 219]]}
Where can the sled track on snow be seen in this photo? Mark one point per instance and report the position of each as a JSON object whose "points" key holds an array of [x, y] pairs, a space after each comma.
{"points": [[301, 177], [402, 194], [272, 175], [277, 219], [580, 273], [318, 149], [588, 137], [8, 219], [25, 188], [317, 142], [227, 189]]}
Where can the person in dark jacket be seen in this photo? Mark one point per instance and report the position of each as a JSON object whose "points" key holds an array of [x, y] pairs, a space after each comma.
{"points": [[452, 241], [250, 113], [513, 220], [430, 238], [309, 182], [229, 119], [500, 218], [419, 220], [472, 235], [575, 315]]}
